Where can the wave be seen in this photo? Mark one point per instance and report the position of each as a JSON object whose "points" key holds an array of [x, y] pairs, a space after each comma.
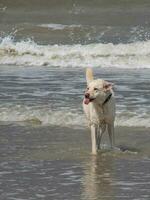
{"points": [[43, 116], [29, 53], [59, 26], [64, 118]]}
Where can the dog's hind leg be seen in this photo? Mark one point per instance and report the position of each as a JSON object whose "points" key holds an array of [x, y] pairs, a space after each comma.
{"points": [[111, 134], [100, 132], [99, 138], [93, 138]]}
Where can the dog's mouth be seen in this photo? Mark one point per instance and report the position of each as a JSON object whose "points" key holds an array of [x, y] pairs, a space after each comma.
{"points": [[88, 100]]}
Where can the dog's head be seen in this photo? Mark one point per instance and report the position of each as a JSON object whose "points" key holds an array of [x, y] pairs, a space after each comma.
{"points": [[96, 90]]}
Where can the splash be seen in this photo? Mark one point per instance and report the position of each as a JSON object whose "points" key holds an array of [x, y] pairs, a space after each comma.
{"points": [[29, 53]]}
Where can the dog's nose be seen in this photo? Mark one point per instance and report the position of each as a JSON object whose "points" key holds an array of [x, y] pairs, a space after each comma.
{"points": [[87, 95]]}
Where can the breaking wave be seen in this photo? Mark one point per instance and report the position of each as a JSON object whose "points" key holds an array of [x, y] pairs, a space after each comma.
{"points": [[29, 53], [64, 118]]}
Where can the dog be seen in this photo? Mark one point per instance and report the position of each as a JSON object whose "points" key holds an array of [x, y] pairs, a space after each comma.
{"points": [[99, 108]]}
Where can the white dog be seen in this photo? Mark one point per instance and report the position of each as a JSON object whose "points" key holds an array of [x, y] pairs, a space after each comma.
{"points": [[99, 108]]}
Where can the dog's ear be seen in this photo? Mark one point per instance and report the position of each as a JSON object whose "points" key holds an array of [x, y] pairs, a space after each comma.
{"points": [[107, 85], [89, 75]]}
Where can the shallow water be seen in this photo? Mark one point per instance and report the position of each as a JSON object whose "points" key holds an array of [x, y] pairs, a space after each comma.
{"points": [[55, 163], [45, 146], [95, 179], [54, 95]]}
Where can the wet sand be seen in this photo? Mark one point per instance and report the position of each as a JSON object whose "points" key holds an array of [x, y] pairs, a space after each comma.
{"points": [[39, 162]]}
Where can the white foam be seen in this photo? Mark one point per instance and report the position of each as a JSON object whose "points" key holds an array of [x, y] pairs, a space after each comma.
{"points": [[3, 9], [28, 53], [20, 113], [63, 117], [59, 26], [134, 121]]}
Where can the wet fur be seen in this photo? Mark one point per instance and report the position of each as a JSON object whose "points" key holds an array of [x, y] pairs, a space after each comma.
{"points": [[100, 117]]}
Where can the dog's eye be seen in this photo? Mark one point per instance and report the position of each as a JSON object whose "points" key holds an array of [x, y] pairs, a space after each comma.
{"points": [[96, 89], [87, 88]]}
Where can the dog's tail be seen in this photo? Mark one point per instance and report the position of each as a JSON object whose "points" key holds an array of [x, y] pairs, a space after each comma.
{"points": [[89, 75]]}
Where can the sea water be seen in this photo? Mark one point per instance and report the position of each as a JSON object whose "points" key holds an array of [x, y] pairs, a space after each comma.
{"points": [[45, 47]]}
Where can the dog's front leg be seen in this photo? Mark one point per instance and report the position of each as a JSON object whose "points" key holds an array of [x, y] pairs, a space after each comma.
{"points": [[111, 134], [93, 138]]}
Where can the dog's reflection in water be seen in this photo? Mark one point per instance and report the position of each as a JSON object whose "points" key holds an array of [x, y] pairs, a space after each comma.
{"points": [[98, 178]]}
